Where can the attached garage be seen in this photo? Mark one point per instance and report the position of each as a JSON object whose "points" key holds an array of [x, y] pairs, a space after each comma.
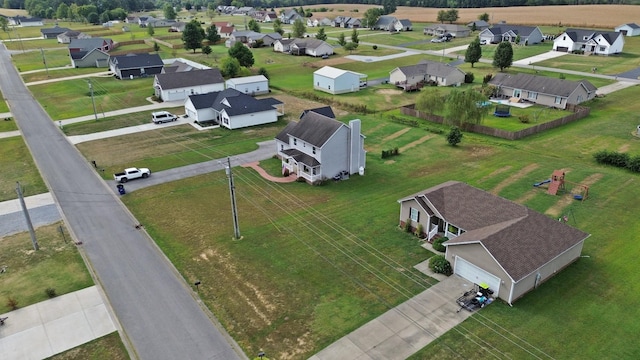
{"points": [[476, 275], [562, 49]]}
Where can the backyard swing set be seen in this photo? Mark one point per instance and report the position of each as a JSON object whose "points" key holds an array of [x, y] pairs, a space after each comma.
{"points": [[557, 183]]}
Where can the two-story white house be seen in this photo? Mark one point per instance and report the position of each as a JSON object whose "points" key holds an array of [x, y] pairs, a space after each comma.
{"points": [[589, 41], [318, 148]]}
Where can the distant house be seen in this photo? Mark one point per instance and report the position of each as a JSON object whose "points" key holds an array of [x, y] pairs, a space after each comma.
{"points": [[67, 36], [492, 240], [337, 81], [390, 23], [318, 148], [403, 25], [232, 109], [143, 21], [413, 77], [131, 20], [589, 41], [52, 33], [135, 65], [441, 29], [324, 110], [479, 25], [290, 16], [161, 23], [268, 17], [181, 65], [346, 22], [250, 85], [553, 92], [630, 29], [248, 37], [528, 35], [177, 86], [304, 46], [24, 21], [225, 29], [90, 52]]}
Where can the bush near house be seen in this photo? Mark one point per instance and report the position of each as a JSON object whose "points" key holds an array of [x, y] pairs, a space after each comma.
{"points": [[437, 244], [440, 265]]}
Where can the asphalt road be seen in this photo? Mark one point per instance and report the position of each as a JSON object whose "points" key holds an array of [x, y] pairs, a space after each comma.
{"points": [[157, 310]]}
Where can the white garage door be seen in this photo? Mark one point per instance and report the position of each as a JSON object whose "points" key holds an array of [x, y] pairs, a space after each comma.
{"points": [[476, 275]]}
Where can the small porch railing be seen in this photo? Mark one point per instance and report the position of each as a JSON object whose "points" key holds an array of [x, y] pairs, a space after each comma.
{"points": [[432, 233]]}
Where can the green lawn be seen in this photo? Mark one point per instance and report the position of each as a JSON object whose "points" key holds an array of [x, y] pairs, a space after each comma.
{"points": [[107, 347], [298, 271], [7, 124], [114, 122], [72, 98], [3, 105], [57, 265], [34, 46], [33, 60], [59, 73], [16, 164]]}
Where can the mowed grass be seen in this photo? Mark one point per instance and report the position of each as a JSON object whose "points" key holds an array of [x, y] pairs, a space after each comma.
{"points": [[59, 73], [57, 265], [33, 60], [16, 165], [301, 278], [114, 122], [107, 347], [72, 98]]}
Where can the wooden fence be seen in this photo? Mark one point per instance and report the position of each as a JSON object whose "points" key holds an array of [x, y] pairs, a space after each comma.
{"points": [[579, 113]]}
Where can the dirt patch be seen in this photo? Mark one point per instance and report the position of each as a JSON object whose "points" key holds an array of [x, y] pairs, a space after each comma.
{"points": [[389, 162], [513, 178], [574, 189], [293, 106], [396, 134], [495, 172], [624, 148], [336, 61], [527, 196], [388, 93], [416, 143]]}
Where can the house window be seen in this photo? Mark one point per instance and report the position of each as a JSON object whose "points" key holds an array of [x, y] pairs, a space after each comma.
{"points": [[564, 37], [452, 229], [579, 98], [305, 168], [329, 87], [281, 147], [603, 48], [414, 214], [558, 100], [313, 149], [295, 141], [315, 171], [517, 93], [533, 95]]}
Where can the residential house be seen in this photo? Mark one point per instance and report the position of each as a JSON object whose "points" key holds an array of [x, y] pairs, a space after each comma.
{"points": [[268, 17], [244, 11], [67, 36], [492, 240], [337, 81], [92, 52], [250, 85], [441, 29], [177, 26], [283, 46], [630, 29], [52, 33], [290, 16], [243, 36], [547, 91], [177, 86], [313, 22], [144, 20], [385, 22], [319, 148], [131, 20], [24, 21], [403, 25], [346, 22], [135, 65], [161, 23], [479, 25], [413, 77], [589, 41], [270, 38], [324, 110], [181, 65], [304, 46], [224, 29], [232, 109], [528, 35]]}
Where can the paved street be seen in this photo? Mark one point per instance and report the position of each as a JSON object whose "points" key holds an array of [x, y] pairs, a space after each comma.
{"points": [[158, 312]]}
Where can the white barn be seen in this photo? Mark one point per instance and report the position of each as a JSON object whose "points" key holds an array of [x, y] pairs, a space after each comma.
{"points": [[250, 85], [337, 81]]}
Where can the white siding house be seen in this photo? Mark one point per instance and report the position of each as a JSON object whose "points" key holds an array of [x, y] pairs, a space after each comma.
{"points": [[630, 29], [337, 81], [251, 85], [589, 41], [177, 86]]}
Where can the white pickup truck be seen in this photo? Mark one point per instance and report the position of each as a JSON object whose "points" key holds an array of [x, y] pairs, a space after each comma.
{"points": [[131, 173]]}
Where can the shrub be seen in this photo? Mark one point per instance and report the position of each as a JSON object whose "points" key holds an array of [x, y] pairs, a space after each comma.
{"points": [[439, 265], [285, 173], [487, 78], [419, 230], [562, 76], [51, 292], [407, 226], [468, 78], [437, 244], [633, 164], [612, 158], [389, 153], [12, 303], [455, 136], [524, 119], [375, 47]]}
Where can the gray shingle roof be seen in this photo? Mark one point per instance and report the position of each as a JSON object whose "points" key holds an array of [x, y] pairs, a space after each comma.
{"points": [[175, 80], [385, 20], [520, 239], [521, 30], [54, 30], [302, 158], [283, 135], [428, 67], [325, 110], [238, 103], [88, 44], [584, 35], [540, 84], [131, 61], [314, 129]]}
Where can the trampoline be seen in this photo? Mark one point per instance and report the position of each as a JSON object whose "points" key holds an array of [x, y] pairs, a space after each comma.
{"points": [[502, 111]]}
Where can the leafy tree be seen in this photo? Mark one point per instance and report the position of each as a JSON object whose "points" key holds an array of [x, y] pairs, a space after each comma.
{"points": [[341, 40], [242, 54], [389, 6], [277, 26], [442, 16], [188, 6], [298, 29], [517, 42], [430, 102], [212, 34], [206, 50], [503, 57], [169, 12], [253, 25], [474, 52], [371, 17], [321, 35], [462, 107], [454, 136], [452, 15], [354, 37], [263, 72], [4, 25], [150, 30], [484, 16], [473, 27], [93, 18], [192, 36], [230, 67], [63, 11], [350, 46], [105, 16]]}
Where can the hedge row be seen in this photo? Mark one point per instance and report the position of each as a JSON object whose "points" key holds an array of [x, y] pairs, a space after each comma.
{"points": [[618, 159]]}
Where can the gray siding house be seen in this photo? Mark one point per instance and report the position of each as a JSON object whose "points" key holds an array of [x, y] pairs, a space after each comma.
{"points": [[543, 90], [318, 148], [529, 35], [413, 76], [492, 240]]}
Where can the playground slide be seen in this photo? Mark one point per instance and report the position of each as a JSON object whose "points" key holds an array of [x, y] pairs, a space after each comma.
{"points": [[553, 188], [542, 182]]}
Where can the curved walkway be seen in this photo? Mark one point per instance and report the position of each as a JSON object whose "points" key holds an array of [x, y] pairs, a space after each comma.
{"points": [[256, 166]]}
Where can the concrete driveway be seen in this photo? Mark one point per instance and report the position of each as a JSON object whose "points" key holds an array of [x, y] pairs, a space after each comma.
{"points": [[541, 57]]}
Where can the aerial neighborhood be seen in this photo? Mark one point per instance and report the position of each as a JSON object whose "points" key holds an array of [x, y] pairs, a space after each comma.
{"points": [[318, 181]]}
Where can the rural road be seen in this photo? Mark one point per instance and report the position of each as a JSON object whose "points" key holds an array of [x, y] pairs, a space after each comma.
{"points": [[158, 312]]}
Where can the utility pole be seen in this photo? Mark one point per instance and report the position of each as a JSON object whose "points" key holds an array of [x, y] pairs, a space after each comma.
{"points": [[93, 101], [44, 60], [232, 192], [26, 216]]}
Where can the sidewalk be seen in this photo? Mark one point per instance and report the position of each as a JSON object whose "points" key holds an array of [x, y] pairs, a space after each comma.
{"points": [[56, 325]]}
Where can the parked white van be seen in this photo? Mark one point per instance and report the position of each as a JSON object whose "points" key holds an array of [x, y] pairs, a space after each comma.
{"points": [[160, 117]]}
